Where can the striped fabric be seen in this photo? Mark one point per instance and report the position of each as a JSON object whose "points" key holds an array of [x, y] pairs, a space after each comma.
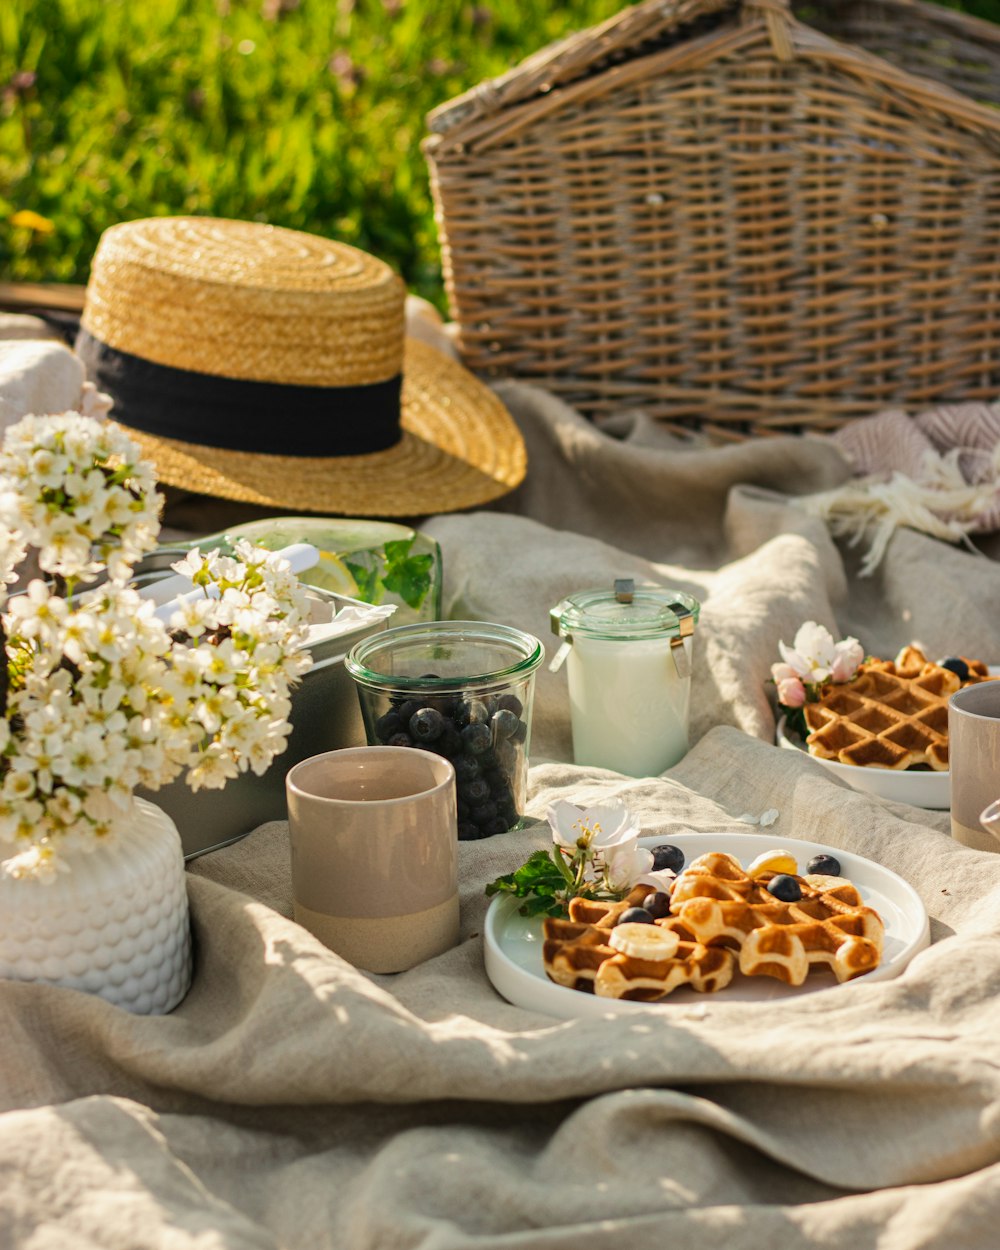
{"points": [[941, 451]]}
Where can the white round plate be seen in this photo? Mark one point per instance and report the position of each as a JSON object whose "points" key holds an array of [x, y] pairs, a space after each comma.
{"points": [[930, 789], [919, 789], [513, 943]]}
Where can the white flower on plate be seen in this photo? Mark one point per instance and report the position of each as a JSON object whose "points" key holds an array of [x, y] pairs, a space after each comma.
{"points": [[601, 844], [812, 654], [595, 828], [629, 866], [814, 657], [848, 656], [626, 863]]}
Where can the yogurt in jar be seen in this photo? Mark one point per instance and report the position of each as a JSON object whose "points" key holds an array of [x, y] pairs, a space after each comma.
{"points": [[628, 655]]}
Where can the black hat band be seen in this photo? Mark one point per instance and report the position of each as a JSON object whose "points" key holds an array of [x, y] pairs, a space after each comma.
{"points": [[274, 418]]}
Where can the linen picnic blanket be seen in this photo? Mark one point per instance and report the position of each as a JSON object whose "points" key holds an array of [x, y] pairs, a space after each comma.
{"points": [[291, 1101]]}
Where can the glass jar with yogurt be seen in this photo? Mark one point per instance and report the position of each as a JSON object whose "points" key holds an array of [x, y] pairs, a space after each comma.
{"points": [[628, 652]]}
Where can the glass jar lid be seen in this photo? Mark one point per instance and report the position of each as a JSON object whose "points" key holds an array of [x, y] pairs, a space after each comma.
{"points": [[625, 611]]}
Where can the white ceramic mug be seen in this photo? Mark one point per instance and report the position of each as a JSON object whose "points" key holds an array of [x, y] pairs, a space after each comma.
{"points": [[374, 843], [974, 763]]}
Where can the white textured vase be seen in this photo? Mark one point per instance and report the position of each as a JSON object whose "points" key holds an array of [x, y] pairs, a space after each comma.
{"points": [[116, 924]]}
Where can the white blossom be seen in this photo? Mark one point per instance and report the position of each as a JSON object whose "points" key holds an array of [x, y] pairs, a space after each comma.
{"points": [[101, 696]]}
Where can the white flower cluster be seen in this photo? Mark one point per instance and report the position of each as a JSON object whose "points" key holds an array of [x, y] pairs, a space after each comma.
{"points": [[813, 660], [76, 489], [101, 696], [231, 684], [601, 846]]}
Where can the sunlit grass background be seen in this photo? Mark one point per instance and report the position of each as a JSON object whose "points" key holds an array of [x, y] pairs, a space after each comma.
{"points": [[305, 113]]}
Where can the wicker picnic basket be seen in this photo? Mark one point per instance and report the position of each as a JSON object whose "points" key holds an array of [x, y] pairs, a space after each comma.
{"points": [[733, 215]]}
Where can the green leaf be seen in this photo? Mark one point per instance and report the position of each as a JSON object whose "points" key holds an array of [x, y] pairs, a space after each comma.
{"points": [[538, 875], [795, 721], [407, 576], [367, 581], [541, 905]]}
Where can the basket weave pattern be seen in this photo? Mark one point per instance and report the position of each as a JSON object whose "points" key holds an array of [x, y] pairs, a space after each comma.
{"points": [[740, 224]]}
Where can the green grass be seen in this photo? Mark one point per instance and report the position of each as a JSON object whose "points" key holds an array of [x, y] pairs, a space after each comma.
{"points": [[307, 114]]}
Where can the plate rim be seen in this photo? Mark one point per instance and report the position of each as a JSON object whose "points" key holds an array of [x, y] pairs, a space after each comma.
{"points": [[502, 905]]}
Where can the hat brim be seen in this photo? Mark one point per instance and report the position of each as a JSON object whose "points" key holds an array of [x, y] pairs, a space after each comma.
{"points": [[460, 448]]}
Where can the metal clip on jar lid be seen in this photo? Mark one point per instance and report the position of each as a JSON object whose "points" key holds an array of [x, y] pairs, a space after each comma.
{"points": [[626, 613]]}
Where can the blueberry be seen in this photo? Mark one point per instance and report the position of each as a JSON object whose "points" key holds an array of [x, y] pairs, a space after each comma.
{"points": [[504, 801], [426, 725], [400, 740], [667, 856], [506, 756], [387, 725], [471, 712], [429, 677], [504, 723], [476, 738], [475, 791], [657, 904], [468, 832], [461, 808], [635, 915], [497, 825], [510, 703], [450, 742], [484, 812], [466, 768], [407, 710], [520, 733], [825, 865], [957, 665], [785, 888]]}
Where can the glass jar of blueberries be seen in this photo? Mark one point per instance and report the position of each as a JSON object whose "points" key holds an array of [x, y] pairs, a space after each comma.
{"points": [[462, 689]]}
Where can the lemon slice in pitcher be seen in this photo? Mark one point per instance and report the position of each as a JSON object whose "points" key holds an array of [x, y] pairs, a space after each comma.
{"points": [[331, 573]]}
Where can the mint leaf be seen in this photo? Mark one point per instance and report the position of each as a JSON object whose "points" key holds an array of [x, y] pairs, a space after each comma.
{"points": [[540, 905], [405, 575], [540, 880], [367, 581], [538, 870], [397, 549]]}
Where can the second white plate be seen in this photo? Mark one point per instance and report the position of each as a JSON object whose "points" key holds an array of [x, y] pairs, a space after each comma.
{"points": [[513, 943], [919, 789], [930, 789]]}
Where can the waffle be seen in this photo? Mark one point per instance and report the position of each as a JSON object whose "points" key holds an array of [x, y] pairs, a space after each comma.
{"points": [[577, 953], [720, 905], [894, 714]]}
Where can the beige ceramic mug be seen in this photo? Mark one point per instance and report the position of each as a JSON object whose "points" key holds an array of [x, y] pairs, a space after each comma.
{"points": [[974, 761], [374, 843]]}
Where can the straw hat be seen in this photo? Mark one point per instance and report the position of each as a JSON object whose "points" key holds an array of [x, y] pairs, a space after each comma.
{"points": [[271, 366]]}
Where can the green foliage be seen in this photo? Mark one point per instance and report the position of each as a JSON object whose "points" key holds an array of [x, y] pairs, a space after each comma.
{"points": [[542, 881], [304, 113], [392, 567]]}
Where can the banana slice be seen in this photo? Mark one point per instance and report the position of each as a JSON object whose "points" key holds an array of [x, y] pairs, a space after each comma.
{"points": [[644, 941], [773, 861]]}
